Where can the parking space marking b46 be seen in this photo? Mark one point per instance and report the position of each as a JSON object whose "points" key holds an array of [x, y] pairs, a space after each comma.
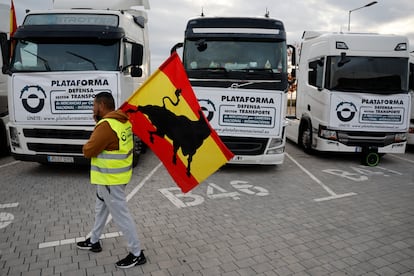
{"points": [[214, 191]]}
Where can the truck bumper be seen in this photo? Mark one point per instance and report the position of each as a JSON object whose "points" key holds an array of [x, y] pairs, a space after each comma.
{"points": [[46, 159], [268, 159], [334, 146]]}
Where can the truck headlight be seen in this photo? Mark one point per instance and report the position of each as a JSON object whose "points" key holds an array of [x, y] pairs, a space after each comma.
{"points": [[274, 146], [400, 137], [328, 134]]}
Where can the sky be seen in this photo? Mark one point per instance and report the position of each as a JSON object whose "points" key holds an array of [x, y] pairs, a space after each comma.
{"points": [[167, 19]]}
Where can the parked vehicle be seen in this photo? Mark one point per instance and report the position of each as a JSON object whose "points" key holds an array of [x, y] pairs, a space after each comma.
{"points": [[4, 112], [410, 137], [352, 94], [238, 69], [61, 58]]}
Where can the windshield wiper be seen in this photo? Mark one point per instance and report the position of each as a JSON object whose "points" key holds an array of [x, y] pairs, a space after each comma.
{"points": [[210, 69], [84, 58], [45, 62], [260, 69], [270, 70]]}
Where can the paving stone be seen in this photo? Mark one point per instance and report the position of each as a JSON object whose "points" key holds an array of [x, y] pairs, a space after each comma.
{"points": [[284, 233]]}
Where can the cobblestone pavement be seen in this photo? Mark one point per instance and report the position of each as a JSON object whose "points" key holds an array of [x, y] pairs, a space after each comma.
{"points": [[312, 215]]}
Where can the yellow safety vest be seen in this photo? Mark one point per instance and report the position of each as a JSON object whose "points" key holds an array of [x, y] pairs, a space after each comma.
{"points": [[114, 167]]}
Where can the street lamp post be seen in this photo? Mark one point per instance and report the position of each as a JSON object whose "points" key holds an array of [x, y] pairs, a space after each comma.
{"points": [[349, 13]]}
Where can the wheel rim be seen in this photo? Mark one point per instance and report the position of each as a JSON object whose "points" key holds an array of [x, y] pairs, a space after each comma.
{"points": [[372, 159]]}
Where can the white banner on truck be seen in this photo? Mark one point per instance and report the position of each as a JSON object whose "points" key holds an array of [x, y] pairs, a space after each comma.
{"points": [[354, 111], [242, 112], [58, 98]]}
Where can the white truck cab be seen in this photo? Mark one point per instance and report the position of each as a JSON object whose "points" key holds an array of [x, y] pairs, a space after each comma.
{"points": [[238, 69], [410, 137], [352, 94], [61, 58]]}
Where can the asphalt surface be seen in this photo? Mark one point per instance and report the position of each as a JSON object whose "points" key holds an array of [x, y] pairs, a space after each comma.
{"points": [[313, 215]]}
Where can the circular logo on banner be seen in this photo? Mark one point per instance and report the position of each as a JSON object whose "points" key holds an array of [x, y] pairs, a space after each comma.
{"points": [[346, 111], [123, 136], [208, 108], [33, 98]]}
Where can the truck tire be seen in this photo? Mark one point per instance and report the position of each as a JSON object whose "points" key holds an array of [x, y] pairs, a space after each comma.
{"points": [[371, 158], [4, 146], [139, 148], [305, 136]]}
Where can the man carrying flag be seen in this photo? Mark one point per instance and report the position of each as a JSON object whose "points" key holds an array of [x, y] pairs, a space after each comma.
{"points": [[110, 149], [166, 115]]}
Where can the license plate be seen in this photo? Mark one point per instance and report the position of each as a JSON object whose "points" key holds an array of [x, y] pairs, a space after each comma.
{"points": [[237, 158], [60, 159]]}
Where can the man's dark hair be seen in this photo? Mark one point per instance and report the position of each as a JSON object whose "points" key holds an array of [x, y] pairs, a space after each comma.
{"points": [[107, 99]]}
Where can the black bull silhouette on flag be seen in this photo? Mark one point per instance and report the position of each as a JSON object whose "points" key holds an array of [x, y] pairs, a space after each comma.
{"points": [[185, 134]]}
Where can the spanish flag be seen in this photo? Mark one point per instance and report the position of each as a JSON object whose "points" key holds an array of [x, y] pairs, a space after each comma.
{"points": [[13, 21], [166, 115]]}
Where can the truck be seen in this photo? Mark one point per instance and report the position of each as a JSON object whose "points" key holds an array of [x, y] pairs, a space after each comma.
{"points": [[352, 94], [61, 58], [4, 115], [410, 138], [237, 67]]}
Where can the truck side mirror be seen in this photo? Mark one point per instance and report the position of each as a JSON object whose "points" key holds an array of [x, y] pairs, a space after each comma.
{"points": [[137, 54], [292, 60], [175, 47], [344, 60], [4, 52]]}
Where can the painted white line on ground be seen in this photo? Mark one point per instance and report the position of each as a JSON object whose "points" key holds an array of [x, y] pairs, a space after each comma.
{"points": [[388, 170], [9, 205], [333, 195], [73, 240], [107, 235], [9, 164], [7, 218], [401, 158]]}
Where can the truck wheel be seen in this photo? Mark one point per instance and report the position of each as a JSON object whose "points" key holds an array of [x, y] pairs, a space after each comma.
{"points": [[137, 151], [371, 159], [305, 137], [4, 147]]}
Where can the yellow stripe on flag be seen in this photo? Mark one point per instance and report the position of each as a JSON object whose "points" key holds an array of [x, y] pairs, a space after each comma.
{"points": [[158, 87]]}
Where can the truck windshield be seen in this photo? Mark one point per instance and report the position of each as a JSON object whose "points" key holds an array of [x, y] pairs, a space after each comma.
{"points": [[41, 56], [232, 56], [381, 75]]}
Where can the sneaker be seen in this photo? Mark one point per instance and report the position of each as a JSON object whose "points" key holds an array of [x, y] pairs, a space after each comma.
{"points": [[87, 245], [132, 260]]}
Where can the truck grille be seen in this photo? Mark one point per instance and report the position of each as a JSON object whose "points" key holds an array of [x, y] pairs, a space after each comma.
{"points": [[379, 139], [57, 134], [245, 145], [55, 148]]}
